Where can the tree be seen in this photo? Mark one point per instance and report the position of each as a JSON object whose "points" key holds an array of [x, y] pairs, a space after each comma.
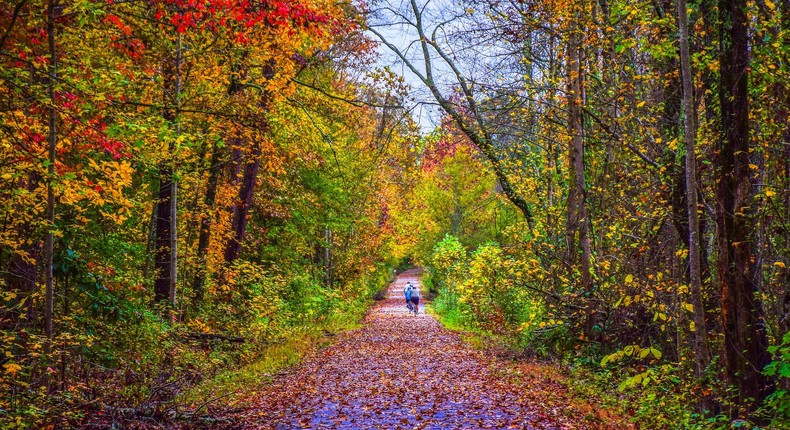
{"points": [[577, 221], [243, 204], [166, 261], [52, 141], [699, 337], [740, 273]]}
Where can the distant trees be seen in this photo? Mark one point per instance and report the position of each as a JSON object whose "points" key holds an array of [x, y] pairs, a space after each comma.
{"points": [[433, 59]]}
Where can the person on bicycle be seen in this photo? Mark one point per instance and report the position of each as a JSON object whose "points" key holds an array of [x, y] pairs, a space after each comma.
{"points": [[407, 292], [415, 299]]}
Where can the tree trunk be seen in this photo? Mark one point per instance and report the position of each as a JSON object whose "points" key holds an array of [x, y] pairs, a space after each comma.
{"points": [[698, 334], [164, 246], [166, 233], [783, 112], [785, 301], [21, 273], [745, 339], [242, 207], [549, 185], [205, 224], [328, 265], [49, 238], [457, 215], [577, 217], [249, 177], [784, 316]]}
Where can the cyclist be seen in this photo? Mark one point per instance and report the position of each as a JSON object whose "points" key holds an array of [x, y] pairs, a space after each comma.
{"points": [[415, 299], [407, 292]]}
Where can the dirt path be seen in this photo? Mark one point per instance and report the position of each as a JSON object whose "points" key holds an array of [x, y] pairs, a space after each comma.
{"points": [[399, 371]]}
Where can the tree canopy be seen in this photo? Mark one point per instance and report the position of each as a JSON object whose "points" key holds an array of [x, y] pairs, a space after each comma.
{"points": [[185, 182]]}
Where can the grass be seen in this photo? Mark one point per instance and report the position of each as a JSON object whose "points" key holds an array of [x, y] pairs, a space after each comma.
{"points": [[452, 320]]}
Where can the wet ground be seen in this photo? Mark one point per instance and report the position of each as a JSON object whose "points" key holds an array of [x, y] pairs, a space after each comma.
{"points": [[400, 371]]}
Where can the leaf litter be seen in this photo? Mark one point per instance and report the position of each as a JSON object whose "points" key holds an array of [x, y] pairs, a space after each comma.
{"points": [[405, 371]]}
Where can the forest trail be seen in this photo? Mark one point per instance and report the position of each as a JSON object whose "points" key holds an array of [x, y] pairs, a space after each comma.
{"points": [[399, 371]]}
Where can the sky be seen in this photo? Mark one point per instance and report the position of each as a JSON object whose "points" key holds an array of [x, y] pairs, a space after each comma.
{"points": [[425, 112]]}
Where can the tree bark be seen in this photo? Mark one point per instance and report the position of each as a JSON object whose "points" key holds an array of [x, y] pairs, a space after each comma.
{"points": [[242, 207], [328, 261], [166, 233], [205, 224], [745, 339], [249, 177], [782, 113], [49, 238], [577, 217], [698, 334], [164, 225]]}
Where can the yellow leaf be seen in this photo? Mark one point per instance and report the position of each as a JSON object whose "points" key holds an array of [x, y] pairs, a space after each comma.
{"points": [[769, 193], [629, 279], [656, 353], [692, 326], [779, 264], [689, 307], [770, 4], [12, 368]]}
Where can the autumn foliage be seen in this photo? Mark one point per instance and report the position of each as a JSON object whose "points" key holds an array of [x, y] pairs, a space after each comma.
{"points": [[184, 183], [246, 115], [576, 112]]}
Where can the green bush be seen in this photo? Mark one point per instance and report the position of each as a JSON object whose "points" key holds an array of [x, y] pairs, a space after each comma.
{"points": [[777, 405]]}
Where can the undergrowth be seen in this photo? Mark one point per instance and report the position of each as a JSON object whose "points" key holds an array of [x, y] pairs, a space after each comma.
{"points": [[146, 365], [660, 399]]}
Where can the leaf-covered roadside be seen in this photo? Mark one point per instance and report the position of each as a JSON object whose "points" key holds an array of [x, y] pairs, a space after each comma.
{"points": [[403, 371], [560, 391]]}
